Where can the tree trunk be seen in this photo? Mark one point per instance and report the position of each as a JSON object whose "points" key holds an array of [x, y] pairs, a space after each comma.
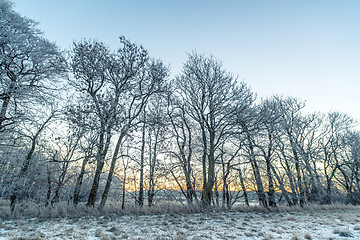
{"points": [[204, 155], [103, 148], [112, 168], [4, 108], [290, 177], [224, 191], [272, 201], [242, 184], [60, 183], [260, 188], [6, 99], [153, 163], [185, 161], [142, 160], [95, 185], [298, 171], [79, 181], [226, 195], [327, 199], [216, 193], [328, 195], [207, 191], [281, 186], [314, 192], [123, 191], [48, 194]]}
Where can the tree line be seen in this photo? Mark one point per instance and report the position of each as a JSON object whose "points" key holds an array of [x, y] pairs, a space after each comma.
{"points": [[90, 123]]}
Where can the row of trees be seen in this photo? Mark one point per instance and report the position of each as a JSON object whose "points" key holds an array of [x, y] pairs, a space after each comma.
{"points": [[93, 123]]}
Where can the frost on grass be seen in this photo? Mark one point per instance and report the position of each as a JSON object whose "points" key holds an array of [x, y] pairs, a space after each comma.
{"points": [[307, 224]]}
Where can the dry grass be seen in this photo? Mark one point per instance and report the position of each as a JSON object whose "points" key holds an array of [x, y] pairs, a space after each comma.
{"points": [[26, 210], [205, 225]]}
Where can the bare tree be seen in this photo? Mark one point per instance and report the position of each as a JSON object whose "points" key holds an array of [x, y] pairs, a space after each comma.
{"points": [[142, 162], [227, 160], [349, 167], [243, 187], [335, 126], [106, 78], [88, 155], [90, 67], [212, 97], [80, 116], [310, 152], [157, 136], [26, 164], [30, 66], [126, 159], [291, 117], [270, 119], [182, 130], [249, 127], [149, 82], [67, 148]]}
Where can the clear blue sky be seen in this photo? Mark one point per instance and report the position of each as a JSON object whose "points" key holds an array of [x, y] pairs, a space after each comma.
{"points": [[307, 49]]}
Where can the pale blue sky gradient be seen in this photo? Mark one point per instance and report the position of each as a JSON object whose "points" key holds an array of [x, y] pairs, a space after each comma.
{"points": [[306, 49]]}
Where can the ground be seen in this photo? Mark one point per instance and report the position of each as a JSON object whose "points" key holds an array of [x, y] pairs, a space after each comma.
{"points": [[308, 224]]}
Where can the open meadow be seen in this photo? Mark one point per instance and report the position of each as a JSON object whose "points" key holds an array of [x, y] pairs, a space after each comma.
{"points": [[316, 222]]}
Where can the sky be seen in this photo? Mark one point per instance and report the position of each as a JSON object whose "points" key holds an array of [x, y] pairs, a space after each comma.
{"points": [[305, 49]]}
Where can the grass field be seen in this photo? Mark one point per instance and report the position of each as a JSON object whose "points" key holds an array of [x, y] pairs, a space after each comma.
{"points": [[287, 223]]}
